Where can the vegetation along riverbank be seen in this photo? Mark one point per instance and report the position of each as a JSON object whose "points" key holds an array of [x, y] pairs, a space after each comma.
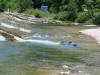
{"points": [[85, 11]]}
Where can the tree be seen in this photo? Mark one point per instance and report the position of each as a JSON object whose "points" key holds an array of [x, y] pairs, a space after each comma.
{"points": [[97, 20], [24, 4], [55, 6], [80, 4], [72, 10], [2, 5]]}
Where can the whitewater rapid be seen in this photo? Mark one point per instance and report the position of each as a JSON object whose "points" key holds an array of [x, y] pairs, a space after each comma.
{"points": [[2, 38], [15, 27], [46, 42]]}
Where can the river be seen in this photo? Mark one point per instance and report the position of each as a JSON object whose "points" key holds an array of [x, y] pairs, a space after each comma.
{"points": [[39, 54]]}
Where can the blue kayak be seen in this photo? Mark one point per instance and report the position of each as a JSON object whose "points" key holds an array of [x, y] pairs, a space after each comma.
{"points": [[68, 44]]}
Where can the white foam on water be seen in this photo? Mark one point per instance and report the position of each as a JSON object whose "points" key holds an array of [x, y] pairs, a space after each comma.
{"points": [[46, 35], [40, 36], [42, 42], [28, 40], [19, 39], [7, 25], [14, 27], [2, 38], [24, 30], [37, 35], [46, 42]]}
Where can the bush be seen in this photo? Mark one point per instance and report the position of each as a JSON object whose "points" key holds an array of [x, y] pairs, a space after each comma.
{"points": [[63, 8], [29, 11], [89, 21], [38, 15], [72, 10], [2, 5], [12, 6], [97, 20], [82, 17], [24, 5], [54, 8], [61, 16]]}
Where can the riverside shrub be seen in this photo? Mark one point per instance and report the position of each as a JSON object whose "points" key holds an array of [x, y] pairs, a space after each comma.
{"points": [[61, 16], [38, 15], [97, 20], [82, 17]]}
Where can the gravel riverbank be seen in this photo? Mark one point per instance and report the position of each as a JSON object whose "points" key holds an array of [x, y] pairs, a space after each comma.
{"points": [[95, 33]]}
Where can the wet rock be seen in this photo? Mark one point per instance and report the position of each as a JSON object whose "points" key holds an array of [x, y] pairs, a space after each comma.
{"points": [[64, 73], [8, 36]]}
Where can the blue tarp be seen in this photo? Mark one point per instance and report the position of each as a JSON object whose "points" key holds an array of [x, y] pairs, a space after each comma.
{"points": [[44, 8]]}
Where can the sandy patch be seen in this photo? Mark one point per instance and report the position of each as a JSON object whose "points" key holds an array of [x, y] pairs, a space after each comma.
{"points": [[95, 33]]}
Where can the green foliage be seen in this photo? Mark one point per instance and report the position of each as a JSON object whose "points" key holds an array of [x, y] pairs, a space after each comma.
{"points": [[11, 6], [61, 16], [65, 2], [97, 20], [82, 17], [72, 10], [54, 8], [29, 11], [36, 12], [89, 21], [2, 5], [23, 5], [64, 9], [38, 15], [80, 4]]}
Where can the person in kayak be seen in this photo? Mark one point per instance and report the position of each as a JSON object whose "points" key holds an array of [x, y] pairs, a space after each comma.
{"points": [[69, 38], [62, 41], [70, 41]]}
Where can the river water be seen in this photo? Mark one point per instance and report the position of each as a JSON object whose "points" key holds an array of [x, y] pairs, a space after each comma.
{"points": [[40, 50]]}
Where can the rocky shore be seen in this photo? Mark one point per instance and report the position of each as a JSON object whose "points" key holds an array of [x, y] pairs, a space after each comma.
{"points": [[7, 36], [31, 19], [24, 19]]}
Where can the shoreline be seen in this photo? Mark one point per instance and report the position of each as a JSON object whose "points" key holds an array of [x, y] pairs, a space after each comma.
{"points": [[95, 33], [31, 19]]}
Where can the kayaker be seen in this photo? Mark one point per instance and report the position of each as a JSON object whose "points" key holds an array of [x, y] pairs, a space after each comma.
{"points": [[62, 41], [70, 41], [69, 38]]}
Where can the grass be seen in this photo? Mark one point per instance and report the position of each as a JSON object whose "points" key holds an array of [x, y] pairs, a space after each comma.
{"points": [[38, 13]]}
